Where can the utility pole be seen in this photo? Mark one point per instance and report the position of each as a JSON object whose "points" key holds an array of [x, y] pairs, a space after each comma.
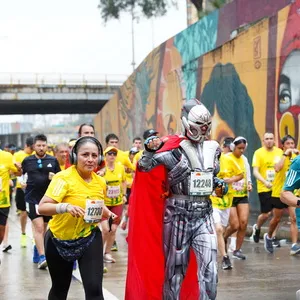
{"points": [[132, 37]]}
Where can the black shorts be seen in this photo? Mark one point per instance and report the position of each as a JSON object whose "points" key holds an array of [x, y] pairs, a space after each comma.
{"points": [[265, 199], [32, 213], [128, 192], [20, 199], [239, 200], [276, 203], [4, 211]]}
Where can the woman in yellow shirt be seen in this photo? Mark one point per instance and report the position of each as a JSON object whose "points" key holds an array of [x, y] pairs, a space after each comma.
{"points": [[239, 212], [115, 197], [75, 199]]}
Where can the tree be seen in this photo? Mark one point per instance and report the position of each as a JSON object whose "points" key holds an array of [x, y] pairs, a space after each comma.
{"points": [[111, 9]]}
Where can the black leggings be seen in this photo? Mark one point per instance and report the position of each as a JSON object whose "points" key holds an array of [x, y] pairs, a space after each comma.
{"points": [[90, 266]]}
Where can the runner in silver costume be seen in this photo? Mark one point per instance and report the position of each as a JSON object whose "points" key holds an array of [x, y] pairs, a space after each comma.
{"points": [[188, 211]]}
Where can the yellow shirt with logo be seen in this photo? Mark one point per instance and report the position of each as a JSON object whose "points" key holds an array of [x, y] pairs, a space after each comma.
{"points": [[240, 187], [281, 175], [68, 187], [265, 161], [19, 157], [6, 166], [228, 168], [114, 180]]}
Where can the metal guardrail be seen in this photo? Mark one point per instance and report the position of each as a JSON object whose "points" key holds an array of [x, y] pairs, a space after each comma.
{"points": [[61, 79]]}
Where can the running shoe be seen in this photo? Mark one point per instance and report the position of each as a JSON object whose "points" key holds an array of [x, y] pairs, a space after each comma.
{"points": [[238, 254], [295, 249], [268, 244], [226, 263], [6, 248], [42, 264], [105, 270], [256, 233], [114, 247], [23, 241], [275, 242], [36, 256], [108, 258]]}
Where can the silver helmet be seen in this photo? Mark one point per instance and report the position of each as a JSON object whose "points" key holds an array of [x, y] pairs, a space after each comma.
{"points": [[196, 120]]}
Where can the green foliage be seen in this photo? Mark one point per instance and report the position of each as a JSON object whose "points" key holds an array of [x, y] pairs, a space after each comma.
{"points": [[111, 9], [216, 4]]}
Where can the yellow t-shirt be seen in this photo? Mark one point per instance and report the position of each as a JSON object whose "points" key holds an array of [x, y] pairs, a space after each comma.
{"points": [[124, 160], [137, 157], [62, 167], [228, 168], [129, 179], [280, 176], [6, 166], [19, 157], [114, 180], [68, 187], [265, 161], [240, 187]]}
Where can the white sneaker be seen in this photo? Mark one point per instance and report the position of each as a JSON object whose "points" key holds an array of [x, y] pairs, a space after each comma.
{"points": [[108, 258]]}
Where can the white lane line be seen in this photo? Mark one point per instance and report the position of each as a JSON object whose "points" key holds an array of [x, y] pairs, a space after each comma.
{"points": [[107, 295], [76, 274]]}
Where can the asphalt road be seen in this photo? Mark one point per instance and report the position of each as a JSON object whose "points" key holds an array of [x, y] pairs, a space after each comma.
{"points": [[260, 276]]}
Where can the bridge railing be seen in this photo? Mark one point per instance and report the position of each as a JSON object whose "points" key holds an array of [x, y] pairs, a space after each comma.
{"points": [[61, 79]]}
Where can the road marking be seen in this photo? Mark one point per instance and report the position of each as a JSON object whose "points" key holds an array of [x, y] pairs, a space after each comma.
{"points": [[76, 274]]}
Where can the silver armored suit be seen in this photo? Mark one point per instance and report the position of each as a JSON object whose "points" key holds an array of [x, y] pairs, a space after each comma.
{"points": [[192, 169]]}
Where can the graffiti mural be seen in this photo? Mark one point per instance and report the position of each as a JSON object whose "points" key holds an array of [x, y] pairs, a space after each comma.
{"points": [[250, 83]]}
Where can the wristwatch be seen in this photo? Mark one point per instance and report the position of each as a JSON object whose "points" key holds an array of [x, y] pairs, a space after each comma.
{"points": [[298, 203]]}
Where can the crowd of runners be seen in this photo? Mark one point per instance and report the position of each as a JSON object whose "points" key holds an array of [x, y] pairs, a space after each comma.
{"points": [[28, 177]]}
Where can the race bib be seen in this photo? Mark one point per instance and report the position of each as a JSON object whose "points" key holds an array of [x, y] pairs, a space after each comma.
{"points": [[93, 211], [113, 191], [270, 175], [201, 183]]}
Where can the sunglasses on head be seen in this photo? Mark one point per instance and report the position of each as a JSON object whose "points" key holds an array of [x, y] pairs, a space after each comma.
{"points": [[112, 153], [39, 163]]}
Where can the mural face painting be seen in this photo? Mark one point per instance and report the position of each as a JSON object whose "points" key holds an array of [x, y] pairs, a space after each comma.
{"points": [[288, 92], [250, 84]]}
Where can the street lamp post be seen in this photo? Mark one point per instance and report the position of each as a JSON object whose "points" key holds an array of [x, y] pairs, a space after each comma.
{"points": [[132, 37]]}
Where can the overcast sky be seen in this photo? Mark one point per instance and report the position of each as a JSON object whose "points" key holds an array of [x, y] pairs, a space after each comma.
{"points": [[69, 36]]}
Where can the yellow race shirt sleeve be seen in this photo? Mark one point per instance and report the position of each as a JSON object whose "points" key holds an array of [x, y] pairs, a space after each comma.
{"points": [[6, 166]]}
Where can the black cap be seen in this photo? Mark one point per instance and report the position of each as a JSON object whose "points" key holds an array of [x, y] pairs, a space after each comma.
{"points": [[149, 132]]}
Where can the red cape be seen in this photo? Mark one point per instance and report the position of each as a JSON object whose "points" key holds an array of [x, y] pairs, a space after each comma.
{"points": [[145, 274]]}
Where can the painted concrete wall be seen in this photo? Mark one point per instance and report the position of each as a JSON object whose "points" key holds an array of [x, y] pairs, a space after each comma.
{"points": [[250, 84]]}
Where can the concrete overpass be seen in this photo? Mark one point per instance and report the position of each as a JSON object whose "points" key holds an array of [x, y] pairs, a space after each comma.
{"points": [[45, 94]]}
